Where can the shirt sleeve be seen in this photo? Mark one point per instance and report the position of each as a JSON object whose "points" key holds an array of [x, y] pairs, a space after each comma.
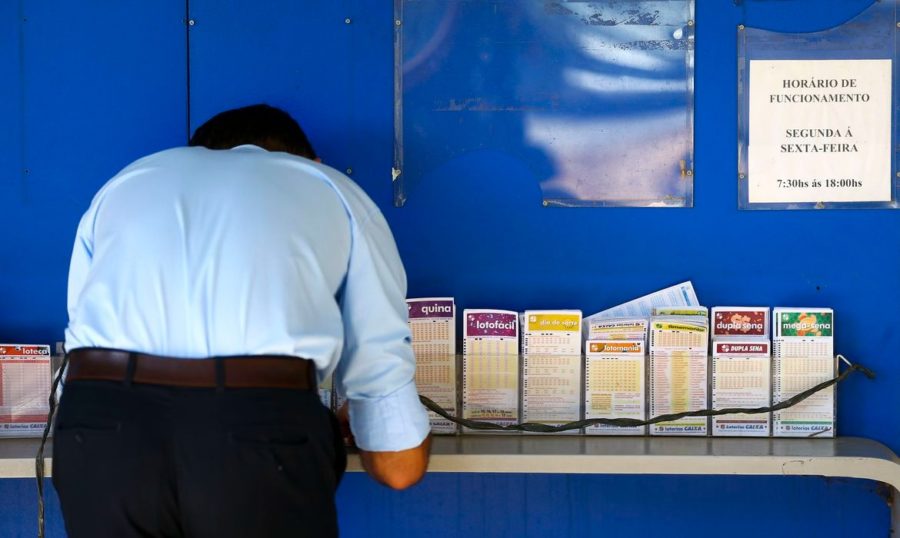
{"points": [[80, 264], [377, 370]]}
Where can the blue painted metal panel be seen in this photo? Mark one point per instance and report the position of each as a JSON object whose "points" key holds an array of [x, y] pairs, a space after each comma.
{"points": [[578, 506], [104, 83], [330, 67], [10, 98], [282, 53]]}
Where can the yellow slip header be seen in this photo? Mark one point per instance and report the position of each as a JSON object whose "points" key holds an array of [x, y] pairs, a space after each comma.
{"points": [[553, 322]]}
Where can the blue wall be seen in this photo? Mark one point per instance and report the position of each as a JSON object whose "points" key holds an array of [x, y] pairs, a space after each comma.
{"points": [[89, 86]]}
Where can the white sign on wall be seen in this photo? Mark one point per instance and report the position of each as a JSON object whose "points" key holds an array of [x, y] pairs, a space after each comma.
{"points": [[820, 131]]}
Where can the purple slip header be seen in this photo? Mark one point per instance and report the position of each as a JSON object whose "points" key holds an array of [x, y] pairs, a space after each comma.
{"points": [[492, 324], [430, 309]]}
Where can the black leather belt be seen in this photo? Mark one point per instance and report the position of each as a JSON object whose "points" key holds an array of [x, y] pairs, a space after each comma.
{"points": [[249, 371]]}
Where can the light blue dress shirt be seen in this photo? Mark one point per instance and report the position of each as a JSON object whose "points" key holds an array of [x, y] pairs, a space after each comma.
{"points": [[198, 253]]}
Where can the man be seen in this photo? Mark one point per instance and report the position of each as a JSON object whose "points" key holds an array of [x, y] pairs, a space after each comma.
{"points": [[209, 288]]}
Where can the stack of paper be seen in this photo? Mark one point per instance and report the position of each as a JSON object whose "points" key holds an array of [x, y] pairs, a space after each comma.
{"points": [[679, 295], [551, 367], [491, 366], [491, 388], [741, 369], [614, 384], [678, 372], [803, 357], [740, 378], [617, 329], [24, 389], [696, 311], [432, 323]]}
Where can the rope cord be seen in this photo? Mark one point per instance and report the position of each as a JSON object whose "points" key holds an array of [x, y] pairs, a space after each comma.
{"points": [[630, 422], [39, 459]]}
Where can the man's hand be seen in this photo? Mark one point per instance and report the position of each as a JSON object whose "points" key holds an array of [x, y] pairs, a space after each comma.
{"points": [[397, 470]]}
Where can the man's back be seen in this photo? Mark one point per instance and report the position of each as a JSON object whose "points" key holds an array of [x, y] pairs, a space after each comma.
{"points": [[267, 271], [199, 253]]}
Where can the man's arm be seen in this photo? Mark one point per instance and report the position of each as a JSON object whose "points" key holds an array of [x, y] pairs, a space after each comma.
{"points": [[398, 470], [377, 370]]}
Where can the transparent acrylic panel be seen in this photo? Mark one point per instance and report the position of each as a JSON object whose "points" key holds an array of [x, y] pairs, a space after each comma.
{"points": [[594, 99], [817, 126]]}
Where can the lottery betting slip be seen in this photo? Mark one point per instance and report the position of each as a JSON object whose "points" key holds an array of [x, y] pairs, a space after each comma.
{"points": [[490, 332], [551, 389], [740, 378], [803, 357], [491, 388], [614, 384], [24, 389], [678, 372], [552, 332], [432, 323]]}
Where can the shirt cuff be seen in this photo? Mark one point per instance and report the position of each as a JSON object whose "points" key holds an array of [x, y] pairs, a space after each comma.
{"points": [[394, 422]]}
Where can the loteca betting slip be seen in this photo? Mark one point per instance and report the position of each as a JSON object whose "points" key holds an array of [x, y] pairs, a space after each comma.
{"points": [[24, 389]]}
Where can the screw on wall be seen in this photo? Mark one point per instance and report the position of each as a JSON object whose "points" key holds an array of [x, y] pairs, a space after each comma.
{"points": [[348, 20], [349, 171]]}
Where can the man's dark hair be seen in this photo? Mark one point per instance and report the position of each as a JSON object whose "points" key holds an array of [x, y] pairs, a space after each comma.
{"points": [[261, 125]]}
